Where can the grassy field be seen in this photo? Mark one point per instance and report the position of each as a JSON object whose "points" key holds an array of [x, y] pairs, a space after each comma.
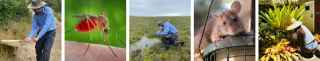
{"points": [[140, 26], [114, 10]]}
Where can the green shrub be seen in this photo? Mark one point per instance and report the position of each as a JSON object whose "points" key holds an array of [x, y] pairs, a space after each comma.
{"points": [[281, 17], [55, 5], [12, 9], [274, 21]]}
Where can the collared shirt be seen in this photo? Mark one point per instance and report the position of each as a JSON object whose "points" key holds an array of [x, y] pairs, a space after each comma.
{"points": [[168, 28], [43, 22]]}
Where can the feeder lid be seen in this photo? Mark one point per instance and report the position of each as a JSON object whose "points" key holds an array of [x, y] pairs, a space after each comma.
{"points": [[244, 39]]}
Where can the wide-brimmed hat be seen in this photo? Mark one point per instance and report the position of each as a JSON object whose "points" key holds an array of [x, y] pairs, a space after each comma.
{"points": [[36, 4], [294, 25]]}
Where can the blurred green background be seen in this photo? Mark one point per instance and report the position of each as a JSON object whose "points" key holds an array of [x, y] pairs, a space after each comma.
{"points": [[114, 10]]}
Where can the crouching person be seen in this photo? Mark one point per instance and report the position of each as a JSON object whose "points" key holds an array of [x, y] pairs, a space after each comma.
{"points": [[303, 34], [168, 34]]}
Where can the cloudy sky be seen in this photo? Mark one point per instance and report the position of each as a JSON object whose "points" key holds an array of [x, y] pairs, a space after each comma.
{"points": [[160, 7]]}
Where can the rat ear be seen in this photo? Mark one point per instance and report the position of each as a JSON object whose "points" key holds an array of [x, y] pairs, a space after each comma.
{"points": [[236, 6]]}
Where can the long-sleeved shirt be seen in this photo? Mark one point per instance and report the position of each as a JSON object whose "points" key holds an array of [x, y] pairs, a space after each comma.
{"points": [[308, 38], [43, 22], [168, 28]]}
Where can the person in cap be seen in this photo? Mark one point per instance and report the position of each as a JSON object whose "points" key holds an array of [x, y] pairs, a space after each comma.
{"points": [[43, 29], [168, 33]]}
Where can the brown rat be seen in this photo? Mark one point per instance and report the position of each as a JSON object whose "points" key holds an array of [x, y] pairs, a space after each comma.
{"points": [[218, 26]]}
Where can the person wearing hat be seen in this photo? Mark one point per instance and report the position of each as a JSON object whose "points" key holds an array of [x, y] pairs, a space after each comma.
{"points": [[168, 34], [302, 33], [43, 29]]}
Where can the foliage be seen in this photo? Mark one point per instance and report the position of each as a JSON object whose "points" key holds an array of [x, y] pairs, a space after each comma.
{"points": [[267, 37], [15, 10], [12, 9], [55, 4], [280, 2], [280, 52], [281, 17], [274, 21], [173, 54], [273, 38]]}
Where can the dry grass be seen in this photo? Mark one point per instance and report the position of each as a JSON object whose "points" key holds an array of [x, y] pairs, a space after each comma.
{"points": [[18, 30], [5, 54]]}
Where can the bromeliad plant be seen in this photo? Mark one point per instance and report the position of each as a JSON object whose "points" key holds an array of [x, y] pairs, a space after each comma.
{"points": [[274, 40], [280, 52], [281, 17], [274, 22]]}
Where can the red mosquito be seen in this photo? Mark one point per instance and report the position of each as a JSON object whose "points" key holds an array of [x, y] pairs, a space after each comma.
{"points": [[89, 23]]}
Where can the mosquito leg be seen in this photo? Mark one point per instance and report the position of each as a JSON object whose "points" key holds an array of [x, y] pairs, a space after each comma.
{"points": [[113, 51], [89, 39], [108, 44], [85, 52]]}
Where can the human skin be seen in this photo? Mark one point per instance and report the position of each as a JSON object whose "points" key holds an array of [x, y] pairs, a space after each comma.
{"points": [[75, 51]]}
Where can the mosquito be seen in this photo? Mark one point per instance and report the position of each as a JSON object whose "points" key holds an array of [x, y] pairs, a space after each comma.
{"points": [[90, 23]]}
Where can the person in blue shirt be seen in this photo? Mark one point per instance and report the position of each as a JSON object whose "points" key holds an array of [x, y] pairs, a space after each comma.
{"points": [[168, 34], [43, 29]]}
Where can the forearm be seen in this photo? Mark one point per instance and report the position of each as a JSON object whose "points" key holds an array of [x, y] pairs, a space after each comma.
{"points": [[34, 28], [161, 33], [32, 33]]}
